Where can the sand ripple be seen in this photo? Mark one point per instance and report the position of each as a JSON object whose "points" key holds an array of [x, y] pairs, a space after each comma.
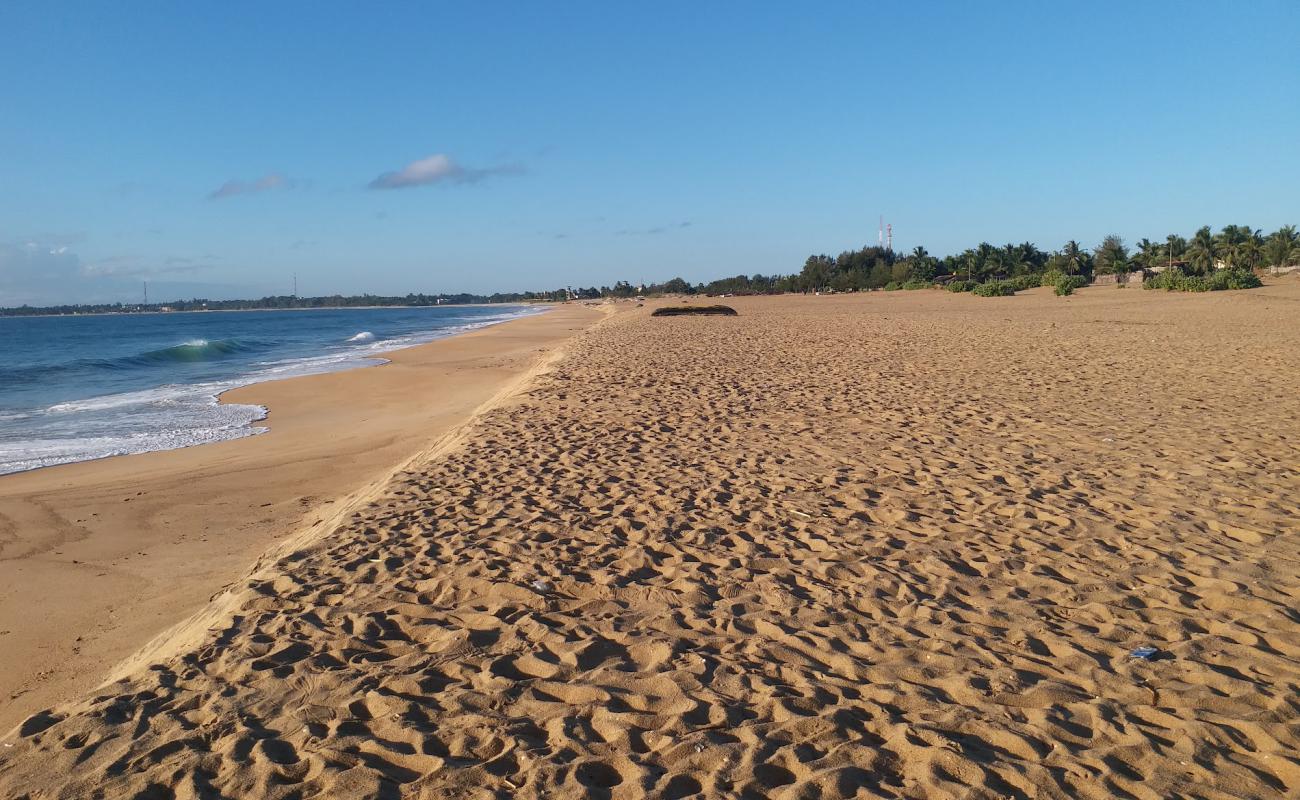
{"points": [[885, 547]]}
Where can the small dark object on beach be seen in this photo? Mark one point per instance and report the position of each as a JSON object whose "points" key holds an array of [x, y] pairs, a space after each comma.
{"points": [[674, 311], [1149, 653]]}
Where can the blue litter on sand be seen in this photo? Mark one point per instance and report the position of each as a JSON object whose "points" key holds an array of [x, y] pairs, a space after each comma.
{"points": [[1145, 653]]}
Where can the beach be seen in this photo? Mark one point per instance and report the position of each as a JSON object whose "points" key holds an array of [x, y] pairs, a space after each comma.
{"points": [[97, 558], [889, 544]]}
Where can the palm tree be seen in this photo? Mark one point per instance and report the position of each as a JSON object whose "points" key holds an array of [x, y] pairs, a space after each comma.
{"points": [[1175, 247], [1283, 247], [922, 264], [1149, 253], [1075, 258], [1231, 240], [1203, 250], [1251, 251]]}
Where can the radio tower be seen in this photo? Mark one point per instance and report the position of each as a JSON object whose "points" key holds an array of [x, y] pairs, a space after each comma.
{"points": [[880, 236], [146, 292], [889, 237]]}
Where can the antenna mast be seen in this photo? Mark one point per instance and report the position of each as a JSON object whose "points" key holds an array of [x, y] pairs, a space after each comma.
{"points": [[889, 237], [880, 234], [295, 284], [146, 292]]}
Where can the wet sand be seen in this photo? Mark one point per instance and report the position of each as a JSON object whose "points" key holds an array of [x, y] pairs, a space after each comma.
{"points": [[99, 557], [886, 545]]}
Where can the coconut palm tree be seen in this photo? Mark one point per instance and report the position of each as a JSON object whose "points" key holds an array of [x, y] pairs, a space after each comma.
{"points": [[1149, 254], [1251, 250], [922, 264], [1075, 258], [1282, 247], [1203, 250], [1230, 241], [1175, 247]]}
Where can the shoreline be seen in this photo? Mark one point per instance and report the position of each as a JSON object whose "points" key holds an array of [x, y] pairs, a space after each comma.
{"points": [[121, 548], [254, 427]]}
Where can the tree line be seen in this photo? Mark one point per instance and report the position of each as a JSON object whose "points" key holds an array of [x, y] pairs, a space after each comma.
{"points": [[1234, 248]]}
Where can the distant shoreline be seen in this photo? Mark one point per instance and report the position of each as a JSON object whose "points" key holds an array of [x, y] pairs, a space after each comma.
{"points": [[230, 310]]}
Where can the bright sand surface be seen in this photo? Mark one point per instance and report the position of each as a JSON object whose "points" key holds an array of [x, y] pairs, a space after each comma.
{"points": [[887, 545], [99, 557]]}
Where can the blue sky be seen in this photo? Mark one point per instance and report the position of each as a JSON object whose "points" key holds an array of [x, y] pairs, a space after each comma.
{"points": [[218, 148]]}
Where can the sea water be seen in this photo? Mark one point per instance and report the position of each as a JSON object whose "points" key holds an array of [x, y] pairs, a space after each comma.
{"points": [[75, 388]]}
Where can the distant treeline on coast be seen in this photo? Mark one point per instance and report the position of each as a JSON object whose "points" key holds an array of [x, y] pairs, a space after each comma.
{"points": [[1235, 247], [279, 302]]}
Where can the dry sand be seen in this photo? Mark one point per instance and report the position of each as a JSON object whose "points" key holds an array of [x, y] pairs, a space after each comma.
{"points": [[97, 558], [896, 545]]}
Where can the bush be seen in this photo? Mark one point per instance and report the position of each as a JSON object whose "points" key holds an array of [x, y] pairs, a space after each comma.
{"points": [[1169, 280], [961, 286], [893, 286], [1051, 277], [994, 289], [1234, 279], [678, 311], [1066, 284], [1174, 280], [1022, 282], [913, 285]]}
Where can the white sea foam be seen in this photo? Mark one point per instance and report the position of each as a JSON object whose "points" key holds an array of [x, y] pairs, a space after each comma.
{"points": [[182, 415]]}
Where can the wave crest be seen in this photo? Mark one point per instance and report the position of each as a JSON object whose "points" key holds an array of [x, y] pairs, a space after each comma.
{"points": [[194, 350]]}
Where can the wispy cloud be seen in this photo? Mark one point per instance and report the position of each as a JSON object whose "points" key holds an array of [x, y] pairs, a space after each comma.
{"points": [[138, 267], [47, 270], [439, 168], [265, 183], [655, 231]]}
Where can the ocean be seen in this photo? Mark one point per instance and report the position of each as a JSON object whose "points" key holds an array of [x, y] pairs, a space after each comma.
{"points": [[86, 387]]}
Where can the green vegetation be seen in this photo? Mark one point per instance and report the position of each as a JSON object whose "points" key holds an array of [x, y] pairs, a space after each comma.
{"points": [[1051, 277], [994, 289], [1239, 249], [1023, 282], [1236, 246], [1066, 284], [1175, 280]]}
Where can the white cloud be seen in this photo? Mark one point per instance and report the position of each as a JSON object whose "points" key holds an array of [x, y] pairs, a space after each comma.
{"points": [[438, 168]]}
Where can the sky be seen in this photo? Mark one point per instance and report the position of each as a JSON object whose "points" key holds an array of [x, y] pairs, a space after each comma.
{"points": [[218, 149]]}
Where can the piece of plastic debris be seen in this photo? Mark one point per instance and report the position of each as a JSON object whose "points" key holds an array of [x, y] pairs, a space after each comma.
{"points": [[1146, 652], [541, 585]]}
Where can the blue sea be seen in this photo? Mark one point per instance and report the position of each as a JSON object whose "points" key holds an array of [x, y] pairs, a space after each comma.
{"points": [[85, 387]]}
